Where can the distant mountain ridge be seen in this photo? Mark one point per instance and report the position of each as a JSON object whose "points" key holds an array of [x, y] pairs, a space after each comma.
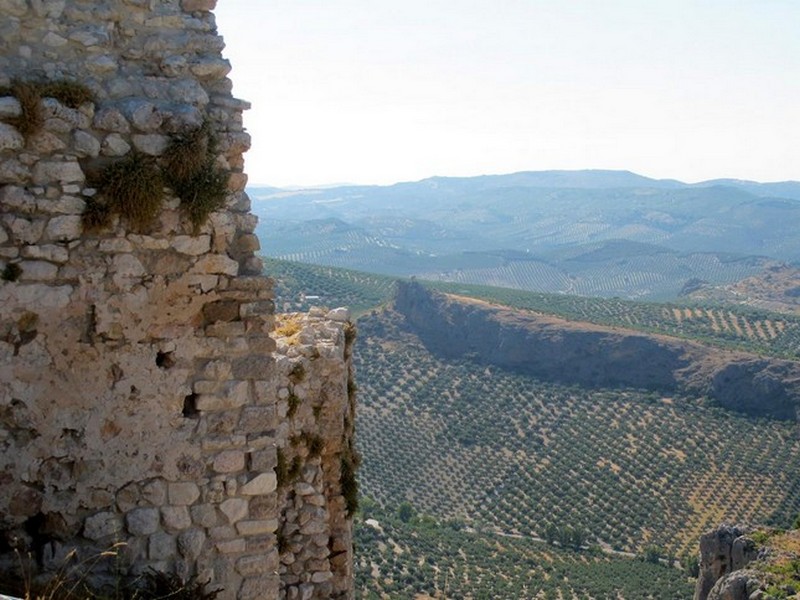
{"points": [[584, 178], [524, 230]]}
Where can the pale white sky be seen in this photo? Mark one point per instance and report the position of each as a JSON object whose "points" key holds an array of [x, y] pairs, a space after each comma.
{"points": [[380, 91]]}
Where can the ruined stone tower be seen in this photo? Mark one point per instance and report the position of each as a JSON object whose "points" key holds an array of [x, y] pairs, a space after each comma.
{"points": [[146, 399]]}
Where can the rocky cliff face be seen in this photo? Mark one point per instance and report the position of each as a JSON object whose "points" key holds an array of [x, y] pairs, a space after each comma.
{"points": [[586, 354], [755, 564], [723, 551], [144, 399]]}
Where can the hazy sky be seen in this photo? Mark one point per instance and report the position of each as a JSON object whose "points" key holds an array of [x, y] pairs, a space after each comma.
{"points": [[379, 91]]}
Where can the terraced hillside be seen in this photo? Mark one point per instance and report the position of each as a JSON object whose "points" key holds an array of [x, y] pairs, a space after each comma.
{"points": [[510, 452], [591, 233], [299, 286], [732, 326], [424, 558], [729, 326], [493, 460]]}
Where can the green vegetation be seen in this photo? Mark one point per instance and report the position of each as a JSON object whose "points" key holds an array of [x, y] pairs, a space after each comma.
{"points": [[132, 188], [501, 450], [470, 470], [191, 172], [736, 327], [294, 282], [728, 326], [442, 558], [351, 461]]}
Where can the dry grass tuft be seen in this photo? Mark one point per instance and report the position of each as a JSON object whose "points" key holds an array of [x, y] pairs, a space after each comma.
{"points": [[134, 189], [191, 173]]}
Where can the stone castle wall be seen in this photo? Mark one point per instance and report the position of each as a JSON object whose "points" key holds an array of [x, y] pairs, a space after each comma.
{"points": [[144, 400]]}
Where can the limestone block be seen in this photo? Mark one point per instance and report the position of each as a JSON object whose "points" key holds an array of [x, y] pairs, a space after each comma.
{"points": [[9, 107], [252, 266], [216, 263], [204, 515], [222, 533], [257, 527], [183, 493], [49, 171], [3, 236], [50, 9], [142, 114], [54, 40], [189, 91], [15, 8], [64, 228], [182, 118], [111, 120], [263, 483], [257, 419], [15, 197], [195, 5], [46, 142], [10, 138], [115, 246], [90, 36], [26, 231], [231, 546], [101, 65], [175, 518], [153, 144], [13, 171], [234, 509], [232, 395], [173, 66], [192, 245], [229, 461], [102, 525], [217, 370], [264, 460], [190, 543], [56, 125], [42, 296], [114, 145], [255, 309], [53, 109], [263, 586], [247, 243], [161, 546], [210, 68], [126, 266], [63, 204], [303, 488], [85, 144], [37, 270], [155, 492], [142, 521], [256, 565]]}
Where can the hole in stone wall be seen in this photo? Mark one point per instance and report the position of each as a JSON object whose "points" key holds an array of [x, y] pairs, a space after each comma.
{"points": [[165, 360], [190, 407]]}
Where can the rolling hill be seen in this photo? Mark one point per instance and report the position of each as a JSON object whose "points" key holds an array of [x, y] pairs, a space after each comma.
{"points": [[594, 233]]}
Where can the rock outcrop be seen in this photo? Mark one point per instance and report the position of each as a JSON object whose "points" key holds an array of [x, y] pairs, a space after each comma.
{"points": [[590, 355], [722, 552], [145, 404], [759, 564]]}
